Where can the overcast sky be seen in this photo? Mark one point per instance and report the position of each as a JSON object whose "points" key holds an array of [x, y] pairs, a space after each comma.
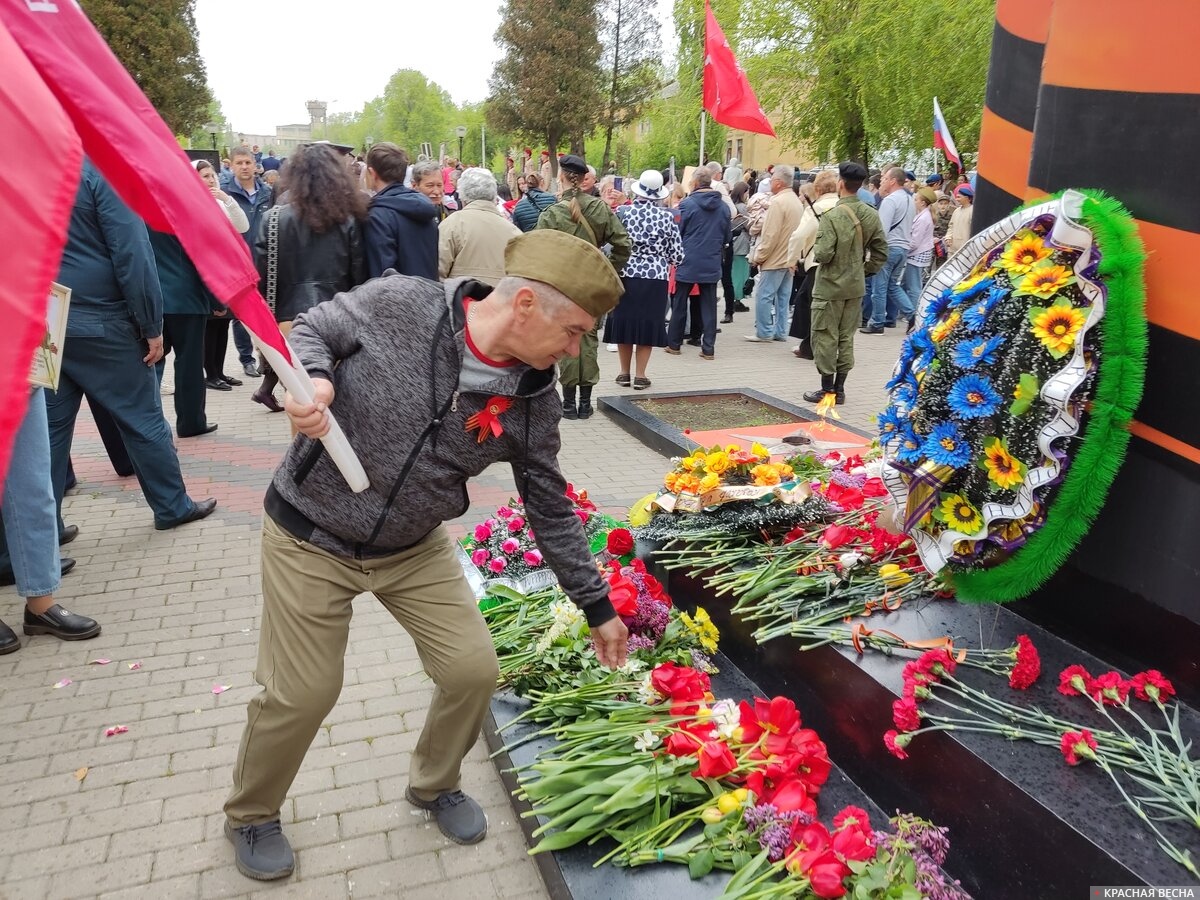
{"points": [[344, 53]]}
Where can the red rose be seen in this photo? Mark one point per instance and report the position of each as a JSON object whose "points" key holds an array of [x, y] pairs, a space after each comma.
{"points": [[623, 595], [905, 714], [874, 487], [620, 541], [715, 760]]}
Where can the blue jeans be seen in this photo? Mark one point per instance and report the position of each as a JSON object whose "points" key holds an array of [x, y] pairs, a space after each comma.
{"points": [[887, 297], [914, 276], [772, 293], [30, 532]]}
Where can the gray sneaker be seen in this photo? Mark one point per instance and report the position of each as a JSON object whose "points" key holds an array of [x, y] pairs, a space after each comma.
{"points": [[458, 816], [261, 851]]}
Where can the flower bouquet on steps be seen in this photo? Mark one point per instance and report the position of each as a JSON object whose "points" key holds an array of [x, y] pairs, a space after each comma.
{"points": [[678, 776], [501, 558]]}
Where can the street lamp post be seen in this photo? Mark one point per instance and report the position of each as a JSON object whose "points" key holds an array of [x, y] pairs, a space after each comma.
{"points": [[212, 128], [461, 131], [369, 141]]}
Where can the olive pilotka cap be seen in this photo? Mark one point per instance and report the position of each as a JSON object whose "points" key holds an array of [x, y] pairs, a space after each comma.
{"points": [[569, 264]]}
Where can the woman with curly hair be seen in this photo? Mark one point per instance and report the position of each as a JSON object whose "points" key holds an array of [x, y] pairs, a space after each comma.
{"points": [[315, 237]]}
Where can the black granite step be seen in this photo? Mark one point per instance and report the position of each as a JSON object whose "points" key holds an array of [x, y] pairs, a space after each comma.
{"points": [[1022, 823], [571, 874]]}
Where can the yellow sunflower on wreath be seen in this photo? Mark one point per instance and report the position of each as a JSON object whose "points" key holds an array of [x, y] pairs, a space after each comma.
{"points": [[1057, 326], [1003, 469], [1023, 252], [959, 514], [1044, 280]]}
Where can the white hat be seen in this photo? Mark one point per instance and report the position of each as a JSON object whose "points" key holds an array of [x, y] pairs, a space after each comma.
{"points": [[650, 185]]}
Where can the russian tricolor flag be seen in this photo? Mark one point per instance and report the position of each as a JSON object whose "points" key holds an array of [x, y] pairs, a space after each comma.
{"points": [[941, 136]]}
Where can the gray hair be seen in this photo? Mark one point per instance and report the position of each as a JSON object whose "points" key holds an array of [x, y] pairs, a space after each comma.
{"points": [[592, 171], [552, 299], [714, 167], [783, 173], [424, 168], [476, 184]]}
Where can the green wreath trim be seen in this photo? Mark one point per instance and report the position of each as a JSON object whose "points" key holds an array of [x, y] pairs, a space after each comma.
{"points": [[1105, 438]]}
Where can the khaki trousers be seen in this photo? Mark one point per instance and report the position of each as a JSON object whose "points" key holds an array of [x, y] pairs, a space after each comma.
{"points": [[583, 369], [307, 595], [833, 325]]}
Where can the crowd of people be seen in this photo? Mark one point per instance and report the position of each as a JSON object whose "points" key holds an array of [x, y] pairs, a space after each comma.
{"points": [[463, 294]]}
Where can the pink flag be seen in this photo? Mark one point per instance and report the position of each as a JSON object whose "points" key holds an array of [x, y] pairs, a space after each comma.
{"points": [[728, 96], [135, 151], [40, 158]]}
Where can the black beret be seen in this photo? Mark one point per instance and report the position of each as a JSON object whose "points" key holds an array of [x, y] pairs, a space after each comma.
{"points": [[572, 163], [852, 171]]}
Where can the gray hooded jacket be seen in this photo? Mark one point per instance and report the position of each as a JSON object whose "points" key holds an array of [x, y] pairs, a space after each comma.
{"points": [[393, 349]]}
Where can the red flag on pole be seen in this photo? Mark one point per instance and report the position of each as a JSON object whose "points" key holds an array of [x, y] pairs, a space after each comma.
{"points": [[38, 139], [728, 96], [136, 152]]}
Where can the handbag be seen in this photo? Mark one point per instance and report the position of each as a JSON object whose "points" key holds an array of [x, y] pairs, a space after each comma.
{"points": [[273, 256]]}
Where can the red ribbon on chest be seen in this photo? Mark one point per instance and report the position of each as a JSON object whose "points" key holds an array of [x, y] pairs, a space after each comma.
{"points": [[487, 420]]}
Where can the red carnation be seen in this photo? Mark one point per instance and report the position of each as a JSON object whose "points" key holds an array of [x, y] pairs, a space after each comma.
{"points": [[1109, 688], [1076, 744], [1073, 681], [620, 541], [937, 662], [715, 760], [1028, 667], [1152, 685], [896, 742], [905, 714]]}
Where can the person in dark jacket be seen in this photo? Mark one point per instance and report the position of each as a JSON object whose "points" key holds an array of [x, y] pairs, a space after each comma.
{"points": [[433, 384], [532, 204], [319, 242], [114, 331], [187, 304], [401, 231], [705, 227], [254, 197]]}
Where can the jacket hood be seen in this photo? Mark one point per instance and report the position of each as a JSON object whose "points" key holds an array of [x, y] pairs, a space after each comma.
{"points": [[407, 202], [707, 200]]}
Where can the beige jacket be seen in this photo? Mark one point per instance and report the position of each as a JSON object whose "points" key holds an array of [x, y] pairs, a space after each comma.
{"points": [[804, 238], [960, 228], [471, 243], [783, 217]]}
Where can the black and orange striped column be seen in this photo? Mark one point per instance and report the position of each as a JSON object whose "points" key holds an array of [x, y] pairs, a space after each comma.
{"points": [[1119, 113], [1006, 138]]}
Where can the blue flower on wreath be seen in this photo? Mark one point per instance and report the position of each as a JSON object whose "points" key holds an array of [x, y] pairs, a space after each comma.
{"points": [[970, 353], [938, 305], [976, 315], [946, 446], [909, 447], [891, 425], [969, 294], [973, 397], [905, 393]]}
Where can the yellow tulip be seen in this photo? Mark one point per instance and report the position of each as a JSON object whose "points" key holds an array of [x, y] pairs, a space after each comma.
{"points": [[742, 795], [728, 803], [711, 816]]}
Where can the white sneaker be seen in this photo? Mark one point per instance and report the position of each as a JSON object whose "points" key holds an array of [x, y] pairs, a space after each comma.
{"points": [[612, 348], [755, 339]]}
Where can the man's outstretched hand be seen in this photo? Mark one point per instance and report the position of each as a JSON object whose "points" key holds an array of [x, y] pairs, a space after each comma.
{"points": [[612, 642]]}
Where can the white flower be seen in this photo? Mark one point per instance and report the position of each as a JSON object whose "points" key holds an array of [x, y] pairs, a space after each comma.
{"points": [[859, 470], [849, 560], [632, 666], [646, 740], [831, 463], [727, 717], [646, 692], [874, 467]]}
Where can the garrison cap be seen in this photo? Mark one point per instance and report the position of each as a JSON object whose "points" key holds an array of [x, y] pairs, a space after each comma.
{"points": [[568, 264]]}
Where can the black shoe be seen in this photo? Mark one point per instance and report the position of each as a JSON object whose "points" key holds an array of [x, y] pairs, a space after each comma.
{"points": [[62, 624], [201, 510], [229, 379], [216, 384], [871, 329], [209, 428], [9, 642], [839, 388], [261, 852], [740, 307], [820, 394], [725, 320], [889, 324], [585, 402], [7, 578], [251, 370], [458, 816], [912, 323], [693, 342], [68, 534]]}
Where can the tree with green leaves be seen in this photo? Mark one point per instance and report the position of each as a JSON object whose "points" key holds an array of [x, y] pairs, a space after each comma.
{"points": [[633, 72], [856, 78], [548, 84], [156, 41]]}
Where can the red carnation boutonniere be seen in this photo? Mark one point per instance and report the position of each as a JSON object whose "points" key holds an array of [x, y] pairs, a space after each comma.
{"points": [[487, 420]]}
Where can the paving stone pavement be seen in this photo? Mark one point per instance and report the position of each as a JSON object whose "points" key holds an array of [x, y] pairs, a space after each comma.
{"points": [[180, 611]]}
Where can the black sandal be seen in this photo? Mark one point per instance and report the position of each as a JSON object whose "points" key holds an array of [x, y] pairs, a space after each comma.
{"points": [[640, 384], [623, 380]]}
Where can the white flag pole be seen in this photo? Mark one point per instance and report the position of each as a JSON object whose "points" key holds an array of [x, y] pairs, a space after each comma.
{"points": [[703, 118], [296, 380]]}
